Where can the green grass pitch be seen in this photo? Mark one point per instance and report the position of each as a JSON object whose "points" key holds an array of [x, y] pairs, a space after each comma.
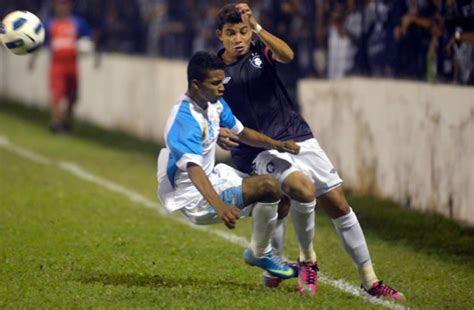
{"points": [[66, 242]]}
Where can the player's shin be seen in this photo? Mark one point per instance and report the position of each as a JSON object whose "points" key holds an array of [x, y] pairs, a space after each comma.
{"points": [[264, 217], [354, 243], [303, 217], [278, 238]]}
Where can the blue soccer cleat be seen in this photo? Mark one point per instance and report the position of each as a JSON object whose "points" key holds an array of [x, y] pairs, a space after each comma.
{"points": [[271, 263], [271, 281]]}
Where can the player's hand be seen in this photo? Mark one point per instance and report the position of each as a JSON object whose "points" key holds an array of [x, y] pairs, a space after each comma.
{"points": [[287, 146], [247, 16], [229, 215], [227, 139]]}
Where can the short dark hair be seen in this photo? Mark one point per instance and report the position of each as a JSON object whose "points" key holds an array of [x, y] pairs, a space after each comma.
{"points": [[229, 14], [200, 64]]}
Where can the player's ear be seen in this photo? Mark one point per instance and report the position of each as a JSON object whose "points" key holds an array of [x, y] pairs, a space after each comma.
{"points": [[195, 84], [219, 34]]}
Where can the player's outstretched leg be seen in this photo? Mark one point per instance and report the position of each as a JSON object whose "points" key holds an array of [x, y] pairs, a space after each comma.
{"points": [[265, 190], [380, 289], [353, 240], [271, 263]]}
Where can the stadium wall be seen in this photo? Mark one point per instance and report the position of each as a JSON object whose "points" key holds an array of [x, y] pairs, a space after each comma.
{"points": [[406, 141], [132, 94]]}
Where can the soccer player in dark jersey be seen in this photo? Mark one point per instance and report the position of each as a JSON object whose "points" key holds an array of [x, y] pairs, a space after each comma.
{"points": [[258, 98]]}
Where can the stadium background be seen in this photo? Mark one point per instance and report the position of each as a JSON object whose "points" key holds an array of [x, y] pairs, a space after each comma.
{"points": [[409, 141]]}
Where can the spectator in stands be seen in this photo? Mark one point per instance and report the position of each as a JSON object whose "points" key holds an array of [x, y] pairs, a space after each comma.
{"points": [[354, 29], [177, 32], [460, 29], [375, 32], [114, 31], [416, 39], [154, 14], [340, 49], [123, 27], [414, 36], [321, 34], [205, 38]]}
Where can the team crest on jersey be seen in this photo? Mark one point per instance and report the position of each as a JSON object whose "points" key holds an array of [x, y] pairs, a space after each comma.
{"points": [[270, 167], [257, 62]]}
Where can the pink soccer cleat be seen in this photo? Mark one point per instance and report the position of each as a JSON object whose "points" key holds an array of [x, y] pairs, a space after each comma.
{"points": [[307, 278], [270, 281], [379, 289]]}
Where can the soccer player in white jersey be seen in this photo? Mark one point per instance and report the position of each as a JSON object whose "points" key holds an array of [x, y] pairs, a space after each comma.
{"points": [[208, 194]]}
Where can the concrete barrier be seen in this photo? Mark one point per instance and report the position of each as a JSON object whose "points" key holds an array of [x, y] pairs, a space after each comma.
{"points": [[132, 94], [407, 141]]}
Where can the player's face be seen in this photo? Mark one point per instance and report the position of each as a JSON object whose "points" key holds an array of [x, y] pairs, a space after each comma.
{"points": [[212, 88], [63, 8], [236, 38]]}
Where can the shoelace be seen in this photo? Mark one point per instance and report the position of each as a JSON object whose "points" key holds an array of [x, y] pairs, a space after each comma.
{"points": [[312, 268], [276, 260], [385, 289]]}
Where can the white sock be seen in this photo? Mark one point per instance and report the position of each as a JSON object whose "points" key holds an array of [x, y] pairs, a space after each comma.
{"points": [[278, 238], [303, 216], [353, 240], [264, 215], [367, 276]]}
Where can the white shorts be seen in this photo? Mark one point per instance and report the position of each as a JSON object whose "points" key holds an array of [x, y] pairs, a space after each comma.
{"points": [[228, 184], [311, 160]]}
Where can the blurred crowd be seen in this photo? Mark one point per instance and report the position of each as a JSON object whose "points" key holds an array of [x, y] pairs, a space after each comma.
{"points": [[410, 39]]}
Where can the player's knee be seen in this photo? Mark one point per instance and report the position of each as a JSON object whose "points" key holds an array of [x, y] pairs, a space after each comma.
{"points": [[303, 191], [335, 203], [270, 189]]}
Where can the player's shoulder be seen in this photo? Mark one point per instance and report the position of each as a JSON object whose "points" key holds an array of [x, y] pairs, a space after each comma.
{"points": [[222, 103], [184, 111], [182, 106], [78, 19], [82, 25], [47, 23]]}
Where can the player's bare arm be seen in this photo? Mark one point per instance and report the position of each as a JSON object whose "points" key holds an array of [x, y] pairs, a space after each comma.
{"points": [[257, 139], [281, 52], [228, 214]]}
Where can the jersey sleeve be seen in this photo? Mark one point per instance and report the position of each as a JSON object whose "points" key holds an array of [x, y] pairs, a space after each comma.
{"points": [[184, 139], [83, 29], [228, 119], [47, 31]]}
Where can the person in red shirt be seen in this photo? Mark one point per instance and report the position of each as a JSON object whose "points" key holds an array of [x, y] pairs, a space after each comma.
{"points": [[62, 35]]}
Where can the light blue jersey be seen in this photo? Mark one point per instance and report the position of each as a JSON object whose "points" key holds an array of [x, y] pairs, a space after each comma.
{"points": [[190, 137]]}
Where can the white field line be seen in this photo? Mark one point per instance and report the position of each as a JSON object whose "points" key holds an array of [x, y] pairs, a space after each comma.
{"points": [[135, 197]]}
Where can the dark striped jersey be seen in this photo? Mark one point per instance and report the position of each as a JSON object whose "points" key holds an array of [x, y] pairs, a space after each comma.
{"points": [[259, 100]]}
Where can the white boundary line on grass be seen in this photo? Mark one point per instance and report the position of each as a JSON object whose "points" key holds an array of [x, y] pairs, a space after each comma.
{"points": [[135, 197]]}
